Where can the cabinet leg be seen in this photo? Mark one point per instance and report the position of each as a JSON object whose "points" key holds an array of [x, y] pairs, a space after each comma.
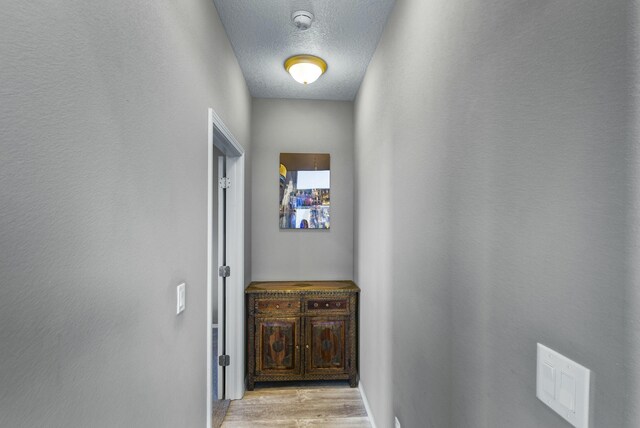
{"points": [[250, 384], [353, 381]]}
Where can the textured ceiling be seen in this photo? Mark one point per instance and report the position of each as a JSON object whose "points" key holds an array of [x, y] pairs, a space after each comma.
{"points": [[344, 33]]}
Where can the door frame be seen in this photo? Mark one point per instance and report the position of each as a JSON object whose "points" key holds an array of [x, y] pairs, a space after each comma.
{"points": [[220, 137]]}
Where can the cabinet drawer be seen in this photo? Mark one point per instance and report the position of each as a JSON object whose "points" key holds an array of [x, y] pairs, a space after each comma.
{"points": [[277, 305], [323, 305]]}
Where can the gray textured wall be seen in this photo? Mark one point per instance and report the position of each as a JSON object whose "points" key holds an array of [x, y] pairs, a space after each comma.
{"points": [[103, 171], [509, 136], [373, 211], [632, 298], [301, 126]]}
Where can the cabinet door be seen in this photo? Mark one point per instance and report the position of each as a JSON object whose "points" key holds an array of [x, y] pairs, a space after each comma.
{"points": [[326, 345], [278, 346]]}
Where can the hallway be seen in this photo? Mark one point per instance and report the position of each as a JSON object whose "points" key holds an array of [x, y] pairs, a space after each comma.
{"points": [[484, 196]]}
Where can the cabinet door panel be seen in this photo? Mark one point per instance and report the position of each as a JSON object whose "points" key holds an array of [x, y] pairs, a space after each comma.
{"points": [[326, 340], [277, 343]]}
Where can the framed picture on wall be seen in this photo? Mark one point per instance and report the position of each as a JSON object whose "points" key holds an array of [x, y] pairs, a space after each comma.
{"points": [[305, 189]]}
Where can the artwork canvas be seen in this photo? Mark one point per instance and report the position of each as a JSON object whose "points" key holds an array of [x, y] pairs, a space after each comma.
{"points": [[305, 189]]}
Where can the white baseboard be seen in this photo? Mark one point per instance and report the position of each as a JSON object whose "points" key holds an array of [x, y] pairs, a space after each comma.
{"points": [[366, 405]]}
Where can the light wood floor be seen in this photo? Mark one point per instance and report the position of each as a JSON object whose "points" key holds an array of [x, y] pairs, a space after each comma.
{"points": [[329, 405]]}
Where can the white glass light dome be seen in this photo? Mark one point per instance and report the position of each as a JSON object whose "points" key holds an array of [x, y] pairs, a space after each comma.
{"points": [[305, 69]]}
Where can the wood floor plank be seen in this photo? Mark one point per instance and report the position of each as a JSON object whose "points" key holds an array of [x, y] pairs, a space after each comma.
{"points": [[295, 411], [300, 423], [293, 406], [301, 396]]}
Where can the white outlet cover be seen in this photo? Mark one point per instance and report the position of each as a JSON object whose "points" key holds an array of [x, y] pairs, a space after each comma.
{"points": [[181, 298], [563, 385]]}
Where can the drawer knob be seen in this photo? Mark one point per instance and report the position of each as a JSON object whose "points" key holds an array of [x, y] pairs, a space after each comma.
{"points": [[327, 305], [277, 306], [338, 304], [315, 305], [306, 346]]}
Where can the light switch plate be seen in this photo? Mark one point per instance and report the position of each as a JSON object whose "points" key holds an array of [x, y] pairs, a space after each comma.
{"points": [[563, 385], [181, 297]]}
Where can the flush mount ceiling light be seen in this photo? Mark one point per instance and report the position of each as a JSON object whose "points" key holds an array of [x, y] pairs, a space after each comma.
{"points": [[305, 68]]}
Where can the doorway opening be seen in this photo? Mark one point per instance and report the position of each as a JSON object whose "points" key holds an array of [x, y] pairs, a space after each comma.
{"points": [[219, 403], [225, 267]]}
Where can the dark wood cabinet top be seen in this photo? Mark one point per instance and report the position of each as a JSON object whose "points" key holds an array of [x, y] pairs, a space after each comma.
{"points": [[301, 287]]}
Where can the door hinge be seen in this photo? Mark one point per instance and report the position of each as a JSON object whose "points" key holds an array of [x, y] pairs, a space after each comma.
{"points": [[224, 360], [224, 182], [224, 271]]}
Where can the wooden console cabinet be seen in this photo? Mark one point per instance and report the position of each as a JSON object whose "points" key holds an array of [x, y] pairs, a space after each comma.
{"points": [[302, 331]]}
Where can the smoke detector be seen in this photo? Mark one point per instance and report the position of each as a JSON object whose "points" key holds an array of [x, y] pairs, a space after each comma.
{"points": [[302, 19]]}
